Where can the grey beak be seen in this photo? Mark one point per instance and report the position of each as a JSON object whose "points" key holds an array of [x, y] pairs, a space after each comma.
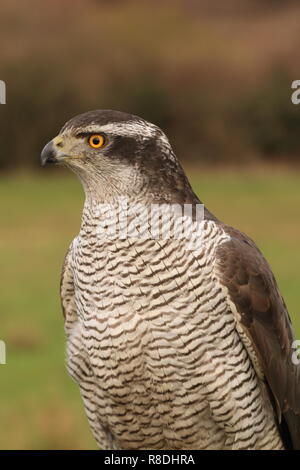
{"points": [[48, 154]]}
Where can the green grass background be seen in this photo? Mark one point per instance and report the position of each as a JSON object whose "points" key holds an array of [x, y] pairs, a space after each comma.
{"points": [[40, 406]]}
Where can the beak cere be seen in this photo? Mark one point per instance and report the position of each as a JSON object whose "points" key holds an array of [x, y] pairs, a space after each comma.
{"points": [[49, 154]]}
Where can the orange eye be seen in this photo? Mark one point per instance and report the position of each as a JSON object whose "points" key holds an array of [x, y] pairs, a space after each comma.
{"points": [[96, 141]]}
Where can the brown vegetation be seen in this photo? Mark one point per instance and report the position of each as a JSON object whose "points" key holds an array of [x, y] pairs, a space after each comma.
{"points": [[216, 77]]}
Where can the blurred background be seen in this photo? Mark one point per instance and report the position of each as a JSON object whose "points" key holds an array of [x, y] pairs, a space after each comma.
{"points": [[216, 76]]}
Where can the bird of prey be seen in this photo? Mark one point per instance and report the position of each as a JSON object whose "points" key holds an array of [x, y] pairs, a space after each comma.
{"points": [[173, 345]]}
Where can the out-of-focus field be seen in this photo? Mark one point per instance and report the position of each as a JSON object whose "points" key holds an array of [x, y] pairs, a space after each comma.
{"points": [[40, 406]]}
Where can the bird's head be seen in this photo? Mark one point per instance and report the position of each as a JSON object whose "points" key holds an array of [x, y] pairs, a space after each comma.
{"points": [[116, 153]]}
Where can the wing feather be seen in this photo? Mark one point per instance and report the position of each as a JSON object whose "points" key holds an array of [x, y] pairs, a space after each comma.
{"points": [[67, 294], [265, 320]]}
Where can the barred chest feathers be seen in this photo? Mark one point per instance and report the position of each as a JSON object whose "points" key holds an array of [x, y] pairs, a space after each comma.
{"points": [[157, 339]]}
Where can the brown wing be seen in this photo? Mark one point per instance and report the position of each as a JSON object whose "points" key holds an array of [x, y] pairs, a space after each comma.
{"points": [[265, 320], [67, 294]]}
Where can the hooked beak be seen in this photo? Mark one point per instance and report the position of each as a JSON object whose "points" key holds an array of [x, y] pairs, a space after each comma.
{"points": [[50, 154]]}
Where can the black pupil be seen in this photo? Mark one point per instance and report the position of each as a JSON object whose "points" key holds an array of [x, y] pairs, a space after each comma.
{"points": [[96, 140]]}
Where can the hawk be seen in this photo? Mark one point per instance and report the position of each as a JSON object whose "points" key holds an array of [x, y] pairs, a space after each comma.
{"points": [[173, 345]]}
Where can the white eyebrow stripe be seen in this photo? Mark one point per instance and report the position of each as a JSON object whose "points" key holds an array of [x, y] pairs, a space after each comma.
{"points": [[128, 128]]}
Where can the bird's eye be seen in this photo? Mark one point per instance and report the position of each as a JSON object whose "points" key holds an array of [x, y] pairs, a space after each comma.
{"points": [[96, 141]]}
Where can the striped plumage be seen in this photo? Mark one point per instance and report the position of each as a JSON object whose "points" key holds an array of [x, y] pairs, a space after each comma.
{"points": [[165, 341]]}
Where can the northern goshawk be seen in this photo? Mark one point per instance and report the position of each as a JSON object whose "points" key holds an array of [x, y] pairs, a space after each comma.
{"points": [[176, 342]]}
